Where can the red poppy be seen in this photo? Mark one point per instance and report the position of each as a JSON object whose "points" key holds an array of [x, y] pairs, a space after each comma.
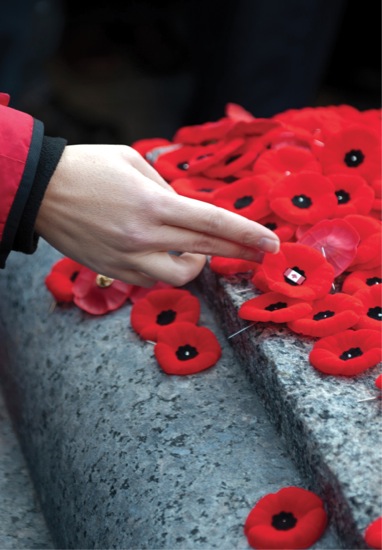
{"points": [[210, 156], [354, 150], [378, 382], [298, 271], [61, 278], [161, 308], [373, 534], [274, 307], [199, 134], [276, 163], [354, 195], [139, 292], [232, 266], [241, 159], [97, 294], [337, 240], [371, 316], [347, 353], [174, 161], [184, 348], [370, 246], [357, 280], [284, 230], [247, 197], [291, 518], [197, 187], [331, 314], [303, 198], [315, 120], [259, 280], [150, 148]]}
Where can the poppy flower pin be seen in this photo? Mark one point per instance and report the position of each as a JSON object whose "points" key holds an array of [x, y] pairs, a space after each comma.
{"points": [[358, 280], [373, 534], [298, 271], [289, 519], [347, 353], [185, 348], [97, 294], [274, 307], [163, 307], [61, 278]]}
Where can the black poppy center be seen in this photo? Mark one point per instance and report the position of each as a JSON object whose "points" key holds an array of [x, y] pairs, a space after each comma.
{"points": [[230, 179], [351, 353], [283, 521], [271, 225], [375, 313], [342, 196], [205, 190], [166, 317], [275, 306], [232, 159], [74, 276], [323, 315], [243, 202], [301, 201], [371, 281], [183, 165], [354, 158], [184, 353], [290, 280]]}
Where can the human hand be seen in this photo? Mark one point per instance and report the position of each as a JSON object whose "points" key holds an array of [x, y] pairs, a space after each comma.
{"points": [[108, 209]]}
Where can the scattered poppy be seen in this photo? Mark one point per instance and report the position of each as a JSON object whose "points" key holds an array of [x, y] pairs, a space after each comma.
{"points": [[274, 307], [337, 240], [378, 382], [199, 134], [298, 271], [232, 266], [371, 316], [240, 159], [290, 518], [163, 307], [303, 198], [259, 280], [185, 348], [357, 280], [197, 187], [347, 353], [354, 195], [97, 294], [353, 150], [373, 534], [247, 197], [60, 280], [331, 314], [174, 162], [284, 230], [276, 163]]}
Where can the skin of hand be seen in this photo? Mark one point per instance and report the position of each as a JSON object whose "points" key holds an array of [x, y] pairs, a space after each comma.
{"points": [[107, 208]]}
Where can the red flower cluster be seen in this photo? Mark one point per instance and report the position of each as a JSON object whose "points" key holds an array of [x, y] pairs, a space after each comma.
{"points": [[169, 317], [313, 176]]}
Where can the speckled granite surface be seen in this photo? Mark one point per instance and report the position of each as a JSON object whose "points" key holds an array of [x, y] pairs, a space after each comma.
{"points": [[335, 440], [22, 524], [122, 455]]}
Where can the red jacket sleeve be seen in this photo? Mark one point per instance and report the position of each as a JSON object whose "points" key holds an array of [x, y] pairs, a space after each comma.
{"points": [[21, 138]]}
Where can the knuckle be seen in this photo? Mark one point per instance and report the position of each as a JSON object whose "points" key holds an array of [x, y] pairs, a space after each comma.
{"points": [[213, 220]]}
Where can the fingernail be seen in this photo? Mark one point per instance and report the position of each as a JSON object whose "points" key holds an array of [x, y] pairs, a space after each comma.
{"points": [[269, 245]]}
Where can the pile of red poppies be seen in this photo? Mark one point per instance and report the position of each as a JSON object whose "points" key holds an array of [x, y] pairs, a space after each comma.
{"points": [[313, 176]]}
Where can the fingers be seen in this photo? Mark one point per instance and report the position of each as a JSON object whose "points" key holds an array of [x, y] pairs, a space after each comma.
{"points": [[218, 222], [171, 269]]}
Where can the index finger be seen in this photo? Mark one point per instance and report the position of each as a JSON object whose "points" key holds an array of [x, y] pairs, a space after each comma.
{"points": [[216, 221]]}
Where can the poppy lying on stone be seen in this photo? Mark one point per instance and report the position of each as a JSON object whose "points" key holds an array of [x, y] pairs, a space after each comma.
{"points": [[97, 294], [298, 271], [303, 198], [347, 353], [185, 348], [232, 266], [371, 316], [163, 307], [331, 314], [61, 278], [292, 518], [274, 307], [373, 534], [247, 197], [357, 280]]}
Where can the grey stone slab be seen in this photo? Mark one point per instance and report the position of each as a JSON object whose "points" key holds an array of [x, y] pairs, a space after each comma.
{"points": [[22, 524], [334, 439], [122, 455]]}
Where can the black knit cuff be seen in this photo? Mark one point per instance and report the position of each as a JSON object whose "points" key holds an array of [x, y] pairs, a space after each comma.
{"points": [[26, 239]]}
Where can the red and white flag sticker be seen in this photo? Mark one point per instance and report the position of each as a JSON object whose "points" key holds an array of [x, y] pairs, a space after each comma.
{"points": [[294, 276]]}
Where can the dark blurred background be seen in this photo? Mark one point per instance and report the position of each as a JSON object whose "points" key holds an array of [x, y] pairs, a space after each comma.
{"points": [[126, 70]]}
